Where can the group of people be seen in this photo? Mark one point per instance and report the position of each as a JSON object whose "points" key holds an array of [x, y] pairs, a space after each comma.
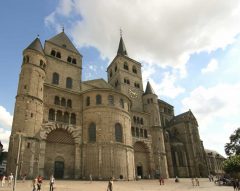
{"points": [[236, 185], [37, 183], [195, 181], [9, 179]]}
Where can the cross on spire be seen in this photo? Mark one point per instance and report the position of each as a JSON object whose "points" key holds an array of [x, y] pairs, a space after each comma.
{"points": [[63, 28], [121, 32]]}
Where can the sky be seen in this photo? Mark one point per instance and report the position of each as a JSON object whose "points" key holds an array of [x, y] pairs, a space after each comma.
{"points": [[189, 51]]}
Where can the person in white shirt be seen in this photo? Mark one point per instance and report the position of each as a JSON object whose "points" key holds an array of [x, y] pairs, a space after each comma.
{"points": [[52, 181]]}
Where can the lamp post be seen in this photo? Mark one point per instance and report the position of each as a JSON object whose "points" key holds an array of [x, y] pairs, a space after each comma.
{"points": [[17, 164]]}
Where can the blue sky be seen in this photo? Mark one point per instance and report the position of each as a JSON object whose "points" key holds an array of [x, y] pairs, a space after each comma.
{"points": [[189, 51]]}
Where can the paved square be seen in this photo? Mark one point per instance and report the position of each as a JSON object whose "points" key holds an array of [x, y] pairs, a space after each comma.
{"points": [[146, 185]]}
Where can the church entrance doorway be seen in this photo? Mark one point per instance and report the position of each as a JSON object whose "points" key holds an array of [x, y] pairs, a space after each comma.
{"points": [[59, 169], [139, 171], [141, 157]]}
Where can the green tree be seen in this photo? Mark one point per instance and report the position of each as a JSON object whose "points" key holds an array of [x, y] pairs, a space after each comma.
{"points": [[232, 165], [233, 148]]}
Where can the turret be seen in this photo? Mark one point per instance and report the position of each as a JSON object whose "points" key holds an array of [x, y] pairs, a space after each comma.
{"points": [[150, 101], [29, 100]]}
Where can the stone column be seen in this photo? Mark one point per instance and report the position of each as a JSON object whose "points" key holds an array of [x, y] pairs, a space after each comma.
{"points": [[77, 162], [41, 158]]}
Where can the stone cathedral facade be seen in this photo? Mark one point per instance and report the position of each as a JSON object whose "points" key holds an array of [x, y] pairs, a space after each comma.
{"points": [[116, 128]]}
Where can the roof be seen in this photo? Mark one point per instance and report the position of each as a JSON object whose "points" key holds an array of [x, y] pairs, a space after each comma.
{"points": [[213, 153], [186, 116], [121, 48], [149, 89], [96, 84], [62, 40], [36, 45]]}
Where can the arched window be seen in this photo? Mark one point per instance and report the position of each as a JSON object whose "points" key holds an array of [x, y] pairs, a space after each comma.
{"points": [[73, 118], [55, 78], [41, 63], [98, 99], [51, 115], [66, 117], [110, 73], [69, 103], [69, 83], [133, 131], [118, 132], [56, 100], [87, 101], [145, 133], [141, 121], [125, 65], [69, 59], [134, 119], [111, 100], [122, 103], [58, 55], [134, 69], [27, 59], [92, 132], [59, 116], [53, 53], [74, 61], [63, 102], [115, 68]]}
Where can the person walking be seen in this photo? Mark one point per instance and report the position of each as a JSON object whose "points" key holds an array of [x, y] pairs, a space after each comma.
{"points": [[39, 183], [10, 179], [3, 180], [110, 185], [90, 178], [193, 184], [52, 181], [197, 181], [34, 184]]}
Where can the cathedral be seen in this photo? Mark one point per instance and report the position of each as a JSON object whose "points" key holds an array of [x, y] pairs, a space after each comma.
{"points": [[115, 128]]}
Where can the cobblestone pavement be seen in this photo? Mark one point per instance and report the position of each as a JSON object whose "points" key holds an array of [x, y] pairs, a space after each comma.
{"points": [[146, 185]]}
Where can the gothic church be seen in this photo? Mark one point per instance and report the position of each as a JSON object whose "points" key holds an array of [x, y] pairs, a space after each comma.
{"points": [[73, 128]]}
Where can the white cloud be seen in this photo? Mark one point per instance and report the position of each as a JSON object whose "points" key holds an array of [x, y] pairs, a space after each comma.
{"points": [[5, 118], [211, 67], [159, 32], [217, 110], [5, 126]]}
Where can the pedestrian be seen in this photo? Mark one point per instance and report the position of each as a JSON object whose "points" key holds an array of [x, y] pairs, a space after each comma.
{"points": [[39, 183], [3, 180], [192, 182], [52, 181], [10, 179], [197, 181], [161, 180], [90, 178], [176, 179], [110, 185], [24, 177], [34, 184]]}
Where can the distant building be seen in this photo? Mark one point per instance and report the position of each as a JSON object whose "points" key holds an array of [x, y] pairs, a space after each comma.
{"points": [[113, 128], [214, 162], [3, 163]]}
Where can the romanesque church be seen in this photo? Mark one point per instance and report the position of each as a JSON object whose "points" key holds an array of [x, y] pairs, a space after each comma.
{"points": [[115, 128]]}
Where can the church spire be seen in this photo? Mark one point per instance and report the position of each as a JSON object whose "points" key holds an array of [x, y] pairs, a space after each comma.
{"points": [[121, 48], [149, 89], [36, 45]]}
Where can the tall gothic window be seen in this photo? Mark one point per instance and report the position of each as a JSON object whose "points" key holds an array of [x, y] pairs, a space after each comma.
{"points": [[66, 117], [118, 132], [92, 132], [73, 118], [69, 83], [51, 115], [55, 78], [69, 103], [59, 116], [98, 99], [125, 65], [63, 102], [57, 100]]}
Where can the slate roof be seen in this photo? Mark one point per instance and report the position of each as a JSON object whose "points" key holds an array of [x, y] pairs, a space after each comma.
{"points": [[36, 45], [121, 48]]}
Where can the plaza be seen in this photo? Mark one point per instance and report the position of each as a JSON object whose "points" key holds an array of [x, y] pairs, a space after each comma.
{"points": [[147, 185]]}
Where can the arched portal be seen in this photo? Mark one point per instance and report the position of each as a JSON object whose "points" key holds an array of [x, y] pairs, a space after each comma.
{"points": [[60, 154], [141, 157]]}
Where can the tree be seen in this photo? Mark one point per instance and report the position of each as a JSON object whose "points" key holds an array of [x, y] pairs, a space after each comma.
{"points": [[233, 148], [232, 165]]}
